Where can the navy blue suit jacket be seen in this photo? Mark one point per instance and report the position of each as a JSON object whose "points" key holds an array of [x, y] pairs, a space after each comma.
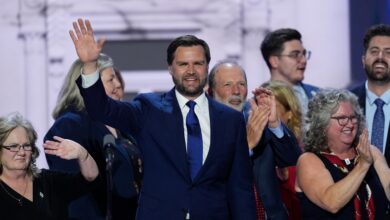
{"points": [[223, 187], [79, 127], [269, 153], [310, 90], [360, 92]]}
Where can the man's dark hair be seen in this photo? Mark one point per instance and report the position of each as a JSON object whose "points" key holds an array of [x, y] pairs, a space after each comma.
{"points": [[186, 41], [373, 31], [273, 42]]}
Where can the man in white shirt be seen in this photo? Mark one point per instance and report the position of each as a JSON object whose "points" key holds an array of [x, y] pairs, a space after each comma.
{"points": [[173, 186], [376, 61]]}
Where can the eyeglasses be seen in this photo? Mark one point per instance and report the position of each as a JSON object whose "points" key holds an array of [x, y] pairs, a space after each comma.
{"points": [[16, 147], [343, 120], [375, 52], [297, 55]]}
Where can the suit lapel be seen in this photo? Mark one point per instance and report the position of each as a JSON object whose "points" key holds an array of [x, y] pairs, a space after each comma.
{"points": [[361, 94], [172, 120], [216, 134]]}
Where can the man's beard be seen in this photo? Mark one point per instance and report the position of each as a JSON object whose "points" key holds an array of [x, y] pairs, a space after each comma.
{"points": [[382, 77], [186, 92], [227, 101]]}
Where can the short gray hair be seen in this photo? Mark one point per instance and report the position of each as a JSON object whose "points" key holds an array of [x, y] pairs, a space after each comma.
{"points": [[320, 109]]}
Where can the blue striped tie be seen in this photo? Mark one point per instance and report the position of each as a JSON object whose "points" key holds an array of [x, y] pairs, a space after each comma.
{"points": [[378, 125], [194, 141]]}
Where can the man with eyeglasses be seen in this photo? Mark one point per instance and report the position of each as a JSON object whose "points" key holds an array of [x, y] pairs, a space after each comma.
{"points": [[286, 58], [374, 94]]}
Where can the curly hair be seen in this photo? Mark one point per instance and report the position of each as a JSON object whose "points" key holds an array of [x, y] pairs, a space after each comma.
{"points": [[10, 123], [320, 110], [373, 31]]}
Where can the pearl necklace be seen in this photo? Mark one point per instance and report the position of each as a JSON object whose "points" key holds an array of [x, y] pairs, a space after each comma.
{"points": [[19, 200]]}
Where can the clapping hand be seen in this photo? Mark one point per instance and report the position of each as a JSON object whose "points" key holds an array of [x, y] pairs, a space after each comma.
{"points": [[364, 148], [257, 120], [265, 97]]}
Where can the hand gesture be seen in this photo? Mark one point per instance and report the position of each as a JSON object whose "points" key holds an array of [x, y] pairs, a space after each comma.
{"points": [[258, 119], [364, 148], [65, 149], [265, 97], [83, 38]]}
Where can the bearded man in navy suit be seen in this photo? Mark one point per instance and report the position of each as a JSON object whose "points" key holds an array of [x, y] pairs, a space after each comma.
{"points": [[376, 62], [222, 188]]}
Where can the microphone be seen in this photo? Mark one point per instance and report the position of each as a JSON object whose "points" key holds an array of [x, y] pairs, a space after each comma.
{"points": [[109, 144]]}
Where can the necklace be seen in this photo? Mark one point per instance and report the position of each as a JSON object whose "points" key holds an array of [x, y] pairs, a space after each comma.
{"points": [[19, 200]]}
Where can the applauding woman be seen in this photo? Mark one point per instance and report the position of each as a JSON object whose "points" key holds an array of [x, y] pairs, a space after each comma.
{"points": [[341, 175]]}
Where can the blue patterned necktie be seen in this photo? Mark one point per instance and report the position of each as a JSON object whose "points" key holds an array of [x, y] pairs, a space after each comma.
{"points": [[378, 125], [194, 141]]}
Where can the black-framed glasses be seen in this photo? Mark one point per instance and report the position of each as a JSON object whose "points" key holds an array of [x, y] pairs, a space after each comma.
{"points": [[297, 55], [343, 120], [16, 147]]}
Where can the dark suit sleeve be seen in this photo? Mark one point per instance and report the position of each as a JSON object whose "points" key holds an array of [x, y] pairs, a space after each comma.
{"points": [[240, 191], [124, 116], [286, 149]]}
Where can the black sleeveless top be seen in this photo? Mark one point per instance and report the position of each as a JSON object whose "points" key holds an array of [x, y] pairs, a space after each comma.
{"points": [[311, 211]]}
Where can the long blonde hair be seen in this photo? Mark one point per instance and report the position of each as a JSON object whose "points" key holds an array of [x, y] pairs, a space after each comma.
{"points": [[69, 96], [285, 96]]}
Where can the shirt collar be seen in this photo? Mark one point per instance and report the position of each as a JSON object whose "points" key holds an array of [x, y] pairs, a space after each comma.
{"points": [[371, 96], [201, 101]]}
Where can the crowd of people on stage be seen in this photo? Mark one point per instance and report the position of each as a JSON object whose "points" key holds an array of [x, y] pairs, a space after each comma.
{"points": [[208, 148]]}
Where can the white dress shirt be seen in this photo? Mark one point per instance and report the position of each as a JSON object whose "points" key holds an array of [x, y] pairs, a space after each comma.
{"points": [[202, 112]]}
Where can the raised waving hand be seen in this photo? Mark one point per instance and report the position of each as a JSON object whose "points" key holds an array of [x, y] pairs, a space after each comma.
{"points": [[87, 48]]}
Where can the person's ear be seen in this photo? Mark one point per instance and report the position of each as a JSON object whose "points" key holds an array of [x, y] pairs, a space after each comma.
{"points": [[274, 61], [170, 69]]}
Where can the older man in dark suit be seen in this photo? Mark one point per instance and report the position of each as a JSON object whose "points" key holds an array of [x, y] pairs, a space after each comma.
{"points": [[196, 162], [270, 142], [374, 94]]}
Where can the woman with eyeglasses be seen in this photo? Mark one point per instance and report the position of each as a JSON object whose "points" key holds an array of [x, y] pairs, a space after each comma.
{"points": [[341, 175], [27, 192]]}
